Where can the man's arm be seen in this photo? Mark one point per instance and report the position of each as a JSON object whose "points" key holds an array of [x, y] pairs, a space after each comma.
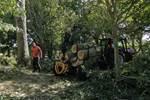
{"points": [[40, 50], [32, 52]]}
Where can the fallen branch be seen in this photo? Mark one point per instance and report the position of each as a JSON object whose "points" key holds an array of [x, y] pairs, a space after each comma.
{"points": [[134, 77]]}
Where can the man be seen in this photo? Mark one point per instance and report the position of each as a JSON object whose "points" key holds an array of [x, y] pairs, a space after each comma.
{"points": [[36, 56]]}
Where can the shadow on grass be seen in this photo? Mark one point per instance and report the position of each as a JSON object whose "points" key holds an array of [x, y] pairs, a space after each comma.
{"points": [[24, 85]]}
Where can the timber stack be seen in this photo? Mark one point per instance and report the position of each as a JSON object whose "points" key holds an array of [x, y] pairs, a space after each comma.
{"points": [[77, 55]]}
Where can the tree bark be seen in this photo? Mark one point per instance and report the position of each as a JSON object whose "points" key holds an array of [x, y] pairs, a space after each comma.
{"points": [[22, 44], [113, 14], [140, 42], [50, 46], [133, 43]]}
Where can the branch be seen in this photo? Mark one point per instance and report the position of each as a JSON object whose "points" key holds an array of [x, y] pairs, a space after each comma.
{"points": [[126, 10], [127, 16], [134, 77], [108, 5], [32, 13]]}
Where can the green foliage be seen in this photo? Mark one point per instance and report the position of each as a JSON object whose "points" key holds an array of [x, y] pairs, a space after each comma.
{"points": [[55, 20], [137, 71], [7, 97], [7, 6], [140, 64], [6, 27], [142, 60], [47, 65], [7, 10], [98, 19], [7, 60], [7, 22]]}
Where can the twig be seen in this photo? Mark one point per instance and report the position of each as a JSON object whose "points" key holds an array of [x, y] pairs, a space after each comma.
{"points": [[133, 77]]}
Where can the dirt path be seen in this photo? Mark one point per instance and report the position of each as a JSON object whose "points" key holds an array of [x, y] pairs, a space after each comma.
{"points": [[23, 84]]}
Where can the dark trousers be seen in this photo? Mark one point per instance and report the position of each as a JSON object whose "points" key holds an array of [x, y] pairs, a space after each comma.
{"points": [[36, 65]]}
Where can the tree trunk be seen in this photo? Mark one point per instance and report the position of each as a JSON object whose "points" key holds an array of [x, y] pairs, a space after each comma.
{"points": [[115, 37], [50, 46], [140, 42], [116, 52], [22, 44], [133, 43], [50, 51]]}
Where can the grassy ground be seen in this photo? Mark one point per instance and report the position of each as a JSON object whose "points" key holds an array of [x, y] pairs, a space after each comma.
{"points": [[22, 84]]}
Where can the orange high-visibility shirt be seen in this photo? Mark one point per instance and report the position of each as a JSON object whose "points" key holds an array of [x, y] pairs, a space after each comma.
{"points": [[35, 52]]}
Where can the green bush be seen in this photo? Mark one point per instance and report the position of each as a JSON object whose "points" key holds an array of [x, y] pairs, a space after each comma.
{"points": [[4, 60], [138, 72], [140, 64], [46, 65]]}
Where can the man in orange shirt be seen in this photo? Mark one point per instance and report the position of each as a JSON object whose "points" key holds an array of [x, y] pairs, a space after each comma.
{"points": [[36, 56]]}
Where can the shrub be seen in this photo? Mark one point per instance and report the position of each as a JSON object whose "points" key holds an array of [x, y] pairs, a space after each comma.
{"points": [[4, 60]]}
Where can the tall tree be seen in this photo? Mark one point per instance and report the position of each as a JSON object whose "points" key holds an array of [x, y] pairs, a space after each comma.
{"points": [[113, 14], [55, 19], [106, 16], [23, 51]]}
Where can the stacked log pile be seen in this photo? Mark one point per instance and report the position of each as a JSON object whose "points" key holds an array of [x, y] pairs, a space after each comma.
{"points": [[80, 52]]}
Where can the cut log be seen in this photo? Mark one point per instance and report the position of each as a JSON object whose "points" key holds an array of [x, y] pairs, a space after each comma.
{"points": [[77, 63], [73, 59], [82, 46], [91, 52], [70, 56], [82, 54], [98, 49], [67, 56], [59, 68], [74, 48]]}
